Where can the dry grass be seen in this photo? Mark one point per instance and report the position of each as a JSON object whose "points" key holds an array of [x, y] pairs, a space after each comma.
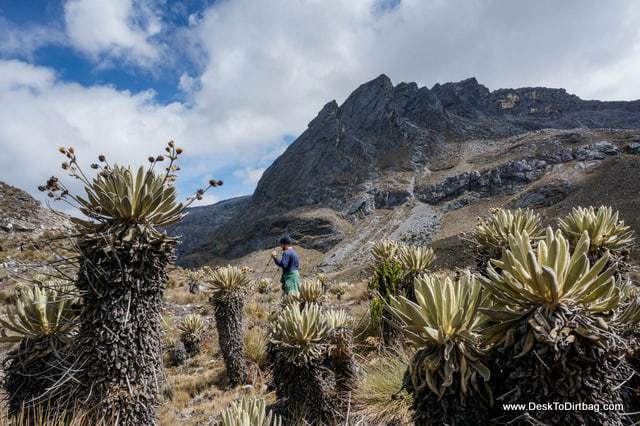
{"points": [[196, 392], [256, 311], [182, 296], [63, 417], [255, 345], [379, 397]]}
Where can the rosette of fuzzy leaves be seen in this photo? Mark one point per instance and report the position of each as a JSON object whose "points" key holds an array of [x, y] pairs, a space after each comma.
{"points": [[552, 311], [41, 319], [192, 330], [549, 276], [225, 281], [415, 259], [301, 334], [264, 285], [337, 318], [448, 376], [604, 229], [40, 311], [248, 412], [492, 234], [311, 291], [446, 326], [121, 198], [384, 250]]}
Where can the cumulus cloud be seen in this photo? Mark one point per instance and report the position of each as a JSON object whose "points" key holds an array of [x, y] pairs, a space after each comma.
{"points": [[266, 69], [114, 28], [46, 113]]}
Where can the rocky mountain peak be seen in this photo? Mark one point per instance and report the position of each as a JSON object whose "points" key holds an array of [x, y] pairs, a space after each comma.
{"points": [[465, 98], [379, 149], [368, 104]]}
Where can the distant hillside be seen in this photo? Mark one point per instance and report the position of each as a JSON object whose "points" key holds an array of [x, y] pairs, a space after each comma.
{"points": [[21, 213], [200, 223]]}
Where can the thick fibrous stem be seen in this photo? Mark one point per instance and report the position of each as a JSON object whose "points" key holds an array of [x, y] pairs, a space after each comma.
{"points": [[31, 370], [228, 314], [306, 392], [579, 372], [390, 334], [191, 345], [119, 346], [451, 408], [342, 360]]}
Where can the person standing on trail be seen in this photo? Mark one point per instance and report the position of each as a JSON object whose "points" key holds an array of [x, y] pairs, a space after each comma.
{"points": [[290, 264]]}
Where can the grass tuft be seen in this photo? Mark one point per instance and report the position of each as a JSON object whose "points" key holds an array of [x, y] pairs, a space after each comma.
{"points": [[379, 397]]}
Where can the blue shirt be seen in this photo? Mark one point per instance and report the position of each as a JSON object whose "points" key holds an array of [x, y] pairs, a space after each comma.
{"points": [[289, 261]]}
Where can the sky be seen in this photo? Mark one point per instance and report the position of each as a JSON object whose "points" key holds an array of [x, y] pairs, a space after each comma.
{"points": [[234, 82]]}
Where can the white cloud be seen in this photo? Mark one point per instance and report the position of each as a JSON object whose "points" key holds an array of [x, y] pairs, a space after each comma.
{"points": [[46, 113], [187, 83], [268, 68], [113, 28], [249, 176], [23, 40], [19, 75]]}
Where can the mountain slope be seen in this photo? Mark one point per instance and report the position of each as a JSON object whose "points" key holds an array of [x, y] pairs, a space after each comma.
{"points": [[200, 223], [414, 153]]}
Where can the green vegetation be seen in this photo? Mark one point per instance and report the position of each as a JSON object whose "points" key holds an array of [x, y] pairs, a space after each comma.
{"points": [[602, 226], [492, 234], [445, 328], [311, 291], [42, 320], [123, 255], [300, 339], [248, 412], [552, 309]]}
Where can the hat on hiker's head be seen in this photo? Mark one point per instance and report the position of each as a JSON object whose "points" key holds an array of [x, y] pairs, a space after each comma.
{"points": [[286, 240]]}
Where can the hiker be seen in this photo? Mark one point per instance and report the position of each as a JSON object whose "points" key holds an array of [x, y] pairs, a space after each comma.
{"points": [[289, 263]]}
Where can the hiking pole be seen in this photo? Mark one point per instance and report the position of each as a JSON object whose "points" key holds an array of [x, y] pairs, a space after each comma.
{"points": [[265, 268]]}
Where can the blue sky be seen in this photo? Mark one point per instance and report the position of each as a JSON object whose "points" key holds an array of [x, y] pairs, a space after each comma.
{"points": [[235, 81]]}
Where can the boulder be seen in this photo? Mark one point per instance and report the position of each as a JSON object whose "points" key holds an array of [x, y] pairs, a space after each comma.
{"points": [[633, 148], [543, 196]]}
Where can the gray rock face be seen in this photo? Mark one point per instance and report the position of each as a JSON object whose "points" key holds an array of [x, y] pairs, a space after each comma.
{"points": [[596, 151], [382, 128], [543, 196], [502, 179], [343, 160]]}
